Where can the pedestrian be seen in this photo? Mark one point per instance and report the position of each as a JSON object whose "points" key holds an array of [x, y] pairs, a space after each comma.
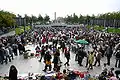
{"points": [[81, 55], [65, 75], [13, 73], [109, 53], [37, 49], [10, 52], [1, 55], [47, 60], [67, 56], [7, 54], [15, 47], [87, 59], [55, 61], [42, 53], [117, 64], [20, 48], [97, 58], [90, 60]]}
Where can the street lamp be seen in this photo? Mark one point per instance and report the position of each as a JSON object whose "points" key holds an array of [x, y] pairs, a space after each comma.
{"points": [[24, 19]]}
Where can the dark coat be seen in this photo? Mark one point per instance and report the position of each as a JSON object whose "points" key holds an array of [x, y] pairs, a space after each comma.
{"points": [[118, 55], [67, 54], [20, 47], [109, 52], [81, 53], [43, 51], [13, 73], [55, 60], [47, 56], [1, 52]]}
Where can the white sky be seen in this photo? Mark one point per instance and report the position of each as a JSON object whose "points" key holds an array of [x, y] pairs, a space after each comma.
{"points": [[61, 7]]}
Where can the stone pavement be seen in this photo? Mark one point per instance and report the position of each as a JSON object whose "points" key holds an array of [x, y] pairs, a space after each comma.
{"points": [[32, 64], [8, 34]]}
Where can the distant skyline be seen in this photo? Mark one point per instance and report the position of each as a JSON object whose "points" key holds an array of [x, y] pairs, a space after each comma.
{"points": [[61, 7]]}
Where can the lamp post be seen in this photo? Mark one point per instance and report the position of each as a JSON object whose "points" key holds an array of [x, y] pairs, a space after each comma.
{"points": [[24, 19]]}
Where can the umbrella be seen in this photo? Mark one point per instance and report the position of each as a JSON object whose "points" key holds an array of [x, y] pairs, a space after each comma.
{"points": [[81, 41]]}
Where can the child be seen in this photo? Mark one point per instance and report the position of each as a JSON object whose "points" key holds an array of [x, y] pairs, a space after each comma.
{"points": [[110, 73], [104, 67]]}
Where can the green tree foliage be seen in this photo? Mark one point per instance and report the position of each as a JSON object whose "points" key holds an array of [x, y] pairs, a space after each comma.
{"points": [[34, 18], [28, 19], [46, 18], [87, 18], [40, 18], [7, 19]]}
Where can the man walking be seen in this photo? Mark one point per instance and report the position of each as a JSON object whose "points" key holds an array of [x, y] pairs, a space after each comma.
{"points": [[98, 58], [109, 53], [117, 59], [81, 55], [47, 61]]}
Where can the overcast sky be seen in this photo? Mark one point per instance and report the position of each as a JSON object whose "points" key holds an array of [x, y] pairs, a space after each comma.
{"points": [[61, 7]]}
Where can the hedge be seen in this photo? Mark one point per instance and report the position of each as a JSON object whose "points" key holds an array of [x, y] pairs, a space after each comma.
{"points": [[20, 30], [101, 28], [113, 30]]}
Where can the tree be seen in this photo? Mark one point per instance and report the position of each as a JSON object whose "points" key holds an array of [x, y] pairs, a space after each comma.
{"points": [[7, 19], [81, 19], [28, 19], [46, 18], [75, 18], [68, 19], [34, 18], [40, 18]]}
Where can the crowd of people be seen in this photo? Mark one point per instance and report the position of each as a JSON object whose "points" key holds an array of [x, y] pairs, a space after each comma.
{"points": [[99, 45]]}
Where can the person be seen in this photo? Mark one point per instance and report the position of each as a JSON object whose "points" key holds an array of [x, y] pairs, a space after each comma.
{"points": [[65, 75], [109, 53], [13, 73], [113, 78], [10, 52], [42, 53], [98, 58], [1, 55], [47, 60], [91, 60], [117, 59], [87, 55], [63, 46], [110, 72], [117, 72], [81, 55], [20, 48], [37, 49], [15, 47], [67, 55], [55, 61], [104, 67], [7, 54]]}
